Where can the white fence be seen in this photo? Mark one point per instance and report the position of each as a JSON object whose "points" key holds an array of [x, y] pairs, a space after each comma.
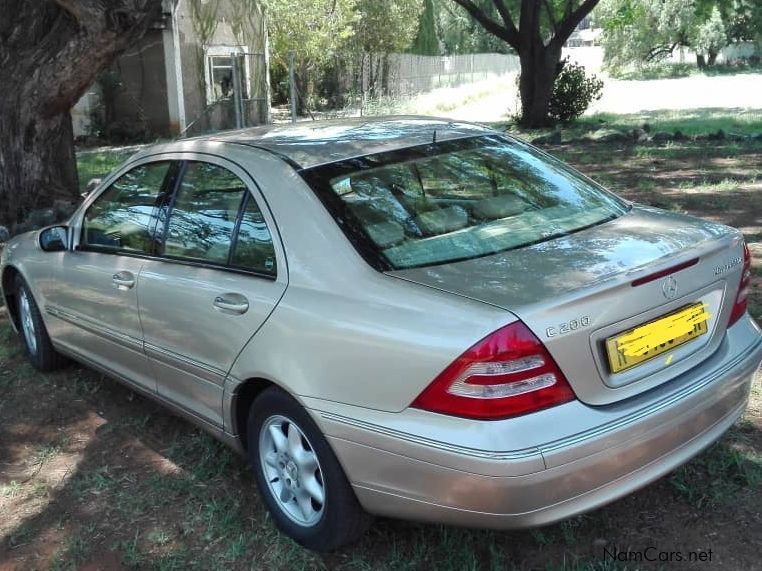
{"points": [[404, 75], [412, 74]]}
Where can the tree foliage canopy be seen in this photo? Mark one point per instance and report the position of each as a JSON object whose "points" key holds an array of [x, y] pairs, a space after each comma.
{"points": [[318, 32], [644, 31], [426, 41], [314, 29], [386, 27]]}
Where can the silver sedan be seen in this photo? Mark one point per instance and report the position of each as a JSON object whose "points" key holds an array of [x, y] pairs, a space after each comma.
{"points": [[405, 317]]}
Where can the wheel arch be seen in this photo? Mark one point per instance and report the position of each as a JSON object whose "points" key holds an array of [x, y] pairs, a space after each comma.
{"points": [[244, 394], [9, 292]]}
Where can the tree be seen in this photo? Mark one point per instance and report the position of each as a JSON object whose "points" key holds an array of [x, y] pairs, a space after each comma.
{"points": [[711, 37], [323, 33], [51, 51], [314, 30], [461, 34], [426, 40], [385, 27], [644, 31], [743, 20], [382, 28], [538, 35]]}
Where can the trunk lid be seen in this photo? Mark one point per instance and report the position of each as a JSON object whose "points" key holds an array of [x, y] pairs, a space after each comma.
{"points": [[576, 291]]}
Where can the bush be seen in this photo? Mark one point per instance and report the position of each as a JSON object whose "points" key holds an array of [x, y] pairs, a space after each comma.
{"points": [[573, 93]]}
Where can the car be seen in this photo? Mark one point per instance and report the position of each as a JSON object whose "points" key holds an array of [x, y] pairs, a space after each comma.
{"points": [[402, 316]]}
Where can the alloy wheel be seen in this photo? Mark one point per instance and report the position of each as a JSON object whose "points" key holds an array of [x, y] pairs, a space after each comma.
{"points": [[292, 470], [27, 322]]}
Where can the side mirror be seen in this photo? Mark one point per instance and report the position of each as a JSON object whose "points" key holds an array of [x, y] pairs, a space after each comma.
{"points": [[54, 239]]}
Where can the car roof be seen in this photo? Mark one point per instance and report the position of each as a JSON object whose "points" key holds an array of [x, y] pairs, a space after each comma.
{"points": [[311, 143]]}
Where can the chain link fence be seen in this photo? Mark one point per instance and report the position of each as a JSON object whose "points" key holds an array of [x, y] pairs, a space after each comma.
{"points": [[365, 84]]}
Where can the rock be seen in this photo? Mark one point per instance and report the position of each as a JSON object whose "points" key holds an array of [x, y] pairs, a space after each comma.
{"points": [[552, 138], [661, 137], [4, 234], [640, 136], [607, 136], [41, 217], [738, 137], [58, 213]]}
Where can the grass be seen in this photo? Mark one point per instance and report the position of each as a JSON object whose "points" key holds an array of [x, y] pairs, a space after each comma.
{"points": [[726, 472], [10, 490], [669, 70], [689, 122]]}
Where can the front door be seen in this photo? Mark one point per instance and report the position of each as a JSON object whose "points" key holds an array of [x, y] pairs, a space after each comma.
{"points": [[217, 277], [91, 294]]}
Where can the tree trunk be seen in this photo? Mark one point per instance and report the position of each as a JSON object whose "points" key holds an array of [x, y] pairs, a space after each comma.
{"points": [[51, 51], [539, 57], [712, 58], [700, 61], [539, 69], [37, 163]]}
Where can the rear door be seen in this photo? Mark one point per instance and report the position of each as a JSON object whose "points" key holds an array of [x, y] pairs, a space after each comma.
{"points": [[217, 277]]}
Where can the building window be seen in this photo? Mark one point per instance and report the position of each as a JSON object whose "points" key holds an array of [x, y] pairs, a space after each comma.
{"points": [[218, 71]]}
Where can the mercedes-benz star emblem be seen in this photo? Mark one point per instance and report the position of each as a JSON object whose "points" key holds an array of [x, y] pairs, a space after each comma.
{"points": [[669, 287]]}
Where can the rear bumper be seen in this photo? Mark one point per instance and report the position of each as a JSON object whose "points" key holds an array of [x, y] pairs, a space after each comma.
{"points": [[397, 474]]}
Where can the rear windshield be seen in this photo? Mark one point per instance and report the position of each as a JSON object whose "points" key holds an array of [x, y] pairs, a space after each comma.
{"points": [[457, 200]]}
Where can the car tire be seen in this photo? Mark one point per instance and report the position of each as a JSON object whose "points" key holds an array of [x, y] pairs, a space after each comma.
{"points": [[299, 477], [34, 335]]}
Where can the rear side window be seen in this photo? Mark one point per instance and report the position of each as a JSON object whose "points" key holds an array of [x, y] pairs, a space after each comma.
{"points": [[124, 217], [203, 218], [214, 219], [254, 244], [457, 200]]}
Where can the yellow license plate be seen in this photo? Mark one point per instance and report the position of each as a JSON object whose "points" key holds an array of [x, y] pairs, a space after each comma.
{"points": [[651, 339]]}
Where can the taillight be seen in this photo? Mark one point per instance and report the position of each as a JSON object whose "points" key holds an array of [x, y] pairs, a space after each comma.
{"points": [[508, 373], [742, 297]]}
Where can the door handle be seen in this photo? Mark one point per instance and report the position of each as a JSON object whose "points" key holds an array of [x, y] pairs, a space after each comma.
{"points": [[123, 280], [231, 303]]}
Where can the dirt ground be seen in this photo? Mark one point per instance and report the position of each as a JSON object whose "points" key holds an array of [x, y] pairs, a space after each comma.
{"points": [[94, 477]]}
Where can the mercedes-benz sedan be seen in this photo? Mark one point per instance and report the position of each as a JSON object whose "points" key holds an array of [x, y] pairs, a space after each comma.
{"points": [[406, 317]]}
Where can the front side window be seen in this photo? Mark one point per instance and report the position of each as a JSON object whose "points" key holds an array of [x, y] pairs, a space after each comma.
{"points": [[124, 217], [204, 215], [457, 200]]}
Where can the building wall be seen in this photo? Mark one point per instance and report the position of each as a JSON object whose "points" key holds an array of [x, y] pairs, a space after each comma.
{"points": [[137, 97], [237, 23]]}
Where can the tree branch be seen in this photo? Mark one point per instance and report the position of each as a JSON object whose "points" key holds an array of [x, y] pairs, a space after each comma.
{"points": [[660, 51], [566, 27], [511, 36], [84, 48], [551, 16], [82, 10], [505, 15]]}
